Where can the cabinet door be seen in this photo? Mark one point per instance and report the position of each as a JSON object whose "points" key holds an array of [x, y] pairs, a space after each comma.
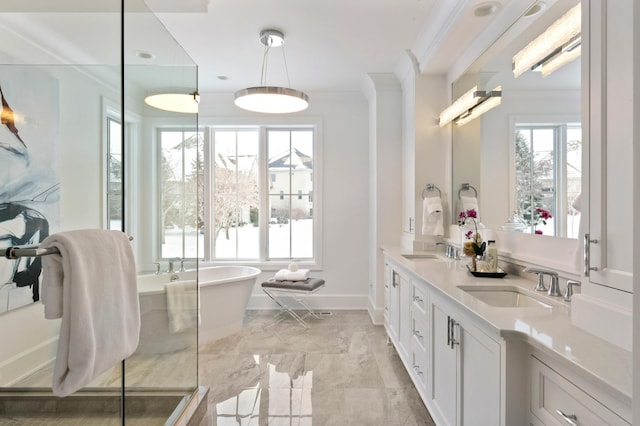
{"points": [[405, 326], [444, 368], [480, 376], [610, 172]]}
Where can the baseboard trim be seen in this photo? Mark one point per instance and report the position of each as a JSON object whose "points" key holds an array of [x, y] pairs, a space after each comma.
{"points": [[27, 362], [376, 314]]}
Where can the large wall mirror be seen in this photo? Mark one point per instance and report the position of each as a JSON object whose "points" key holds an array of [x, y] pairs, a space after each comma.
{"points": [[522, 159]]}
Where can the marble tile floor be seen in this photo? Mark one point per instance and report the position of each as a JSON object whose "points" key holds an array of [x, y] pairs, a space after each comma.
{"points": [[340, 371]]}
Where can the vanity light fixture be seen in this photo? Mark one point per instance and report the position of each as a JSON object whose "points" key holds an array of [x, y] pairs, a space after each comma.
{"points": [[568, 54], [271, 99], [175, 102], [490, 100], [460, 106], [560, 38], [470, 105]]}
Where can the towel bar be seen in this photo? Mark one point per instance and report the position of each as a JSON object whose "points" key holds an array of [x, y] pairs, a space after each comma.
{"points": [[15, 252], [467, 187], [430, 187]]}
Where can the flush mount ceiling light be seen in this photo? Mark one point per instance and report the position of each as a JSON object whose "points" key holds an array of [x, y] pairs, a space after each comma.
{"points": [[471, 105], [175, 102], [562, 37], [271, 99], [486, 9]]}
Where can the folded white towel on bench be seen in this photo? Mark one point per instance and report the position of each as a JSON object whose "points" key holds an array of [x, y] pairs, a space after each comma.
{"points": [[287, 275]]}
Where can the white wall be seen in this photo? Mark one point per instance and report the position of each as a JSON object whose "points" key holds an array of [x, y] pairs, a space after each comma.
{"points": [[345, 191]]}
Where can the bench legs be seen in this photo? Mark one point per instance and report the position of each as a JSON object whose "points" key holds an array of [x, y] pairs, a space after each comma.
{"points": [[286, 308]]}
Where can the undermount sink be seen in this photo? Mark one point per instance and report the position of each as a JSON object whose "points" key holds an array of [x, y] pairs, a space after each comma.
{"points": [[420, 256], [504, 297]]}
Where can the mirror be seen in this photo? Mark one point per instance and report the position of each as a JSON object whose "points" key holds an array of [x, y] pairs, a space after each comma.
{"points": [[523, 157]]}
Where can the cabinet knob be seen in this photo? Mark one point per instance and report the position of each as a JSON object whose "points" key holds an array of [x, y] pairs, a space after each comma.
{"points": [[417, 334], [571, 419]]}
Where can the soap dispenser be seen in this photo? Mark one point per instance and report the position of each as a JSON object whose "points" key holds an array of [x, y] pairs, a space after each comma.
{"points": [[492, 256]]}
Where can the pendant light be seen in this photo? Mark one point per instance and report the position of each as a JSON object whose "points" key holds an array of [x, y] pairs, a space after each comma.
{"points": [[271, 99], [175, 101]]}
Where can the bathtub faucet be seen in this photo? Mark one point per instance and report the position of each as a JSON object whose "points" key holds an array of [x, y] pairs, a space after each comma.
{"points": [[171, 268]]}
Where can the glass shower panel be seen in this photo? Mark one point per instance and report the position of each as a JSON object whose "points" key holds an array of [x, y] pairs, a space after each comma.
{"points": [[71, 78], [58, 62], [163, 179]]}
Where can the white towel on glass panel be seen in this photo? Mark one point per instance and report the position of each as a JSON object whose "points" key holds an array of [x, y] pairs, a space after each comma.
{"points": [[432, 223], [182, 305], [91, 284]]}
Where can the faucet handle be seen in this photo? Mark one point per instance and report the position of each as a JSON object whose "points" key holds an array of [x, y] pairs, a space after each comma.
{"points": [[541, 271], [157, 267], [569, 291], [182, 265]]}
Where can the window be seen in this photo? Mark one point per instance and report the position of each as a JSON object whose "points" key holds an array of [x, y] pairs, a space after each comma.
{"points": [[114, 174], [259, 205], [250, 199], [180, 209], [548, 164]]}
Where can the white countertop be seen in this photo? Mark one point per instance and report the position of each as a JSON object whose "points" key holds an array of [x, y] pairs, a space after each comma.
{"points": [[549, 330]]}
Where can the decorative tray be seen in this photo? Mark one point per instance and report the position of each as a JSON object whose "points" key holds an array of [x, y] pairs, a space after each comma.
{"points": [[498, 274]]}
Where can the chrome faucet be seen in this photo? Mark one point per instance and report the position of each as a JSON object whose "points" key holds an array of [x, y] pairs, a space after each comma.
{"points": [[171, 269], [554, 285], [569, 291]]}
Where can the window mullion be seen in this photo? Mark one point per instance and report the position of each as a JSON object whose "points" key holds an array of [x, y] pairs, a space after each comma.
{"points": [[263, 191]]}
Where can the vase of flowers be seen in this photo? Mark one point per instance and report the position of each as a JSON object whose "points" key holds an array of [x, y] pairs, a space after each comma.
{"points": [[472, 244], [540, 215]]}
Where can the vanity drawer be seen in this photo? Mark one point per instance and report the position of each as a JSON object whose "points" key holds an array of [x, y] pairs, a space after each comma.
{"points": [[419, 305], [419, 333], [419, 363], [552, 394]]}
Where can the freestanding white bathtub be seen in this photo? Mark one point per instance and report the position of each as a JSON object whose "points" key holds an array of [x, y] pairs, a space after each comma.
{"points": [[224, 295]]}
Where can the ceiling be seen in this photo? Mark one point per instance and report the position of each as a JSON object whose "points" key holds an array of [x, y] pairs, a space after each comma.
{"points": [[330, 45]]}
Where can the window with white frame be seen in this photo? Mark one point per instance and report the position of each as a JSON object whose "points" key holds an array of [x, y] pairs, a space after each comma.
{"points": [[548, 177], [180, 209], [255, 187], [114, 173], [260, 204]]}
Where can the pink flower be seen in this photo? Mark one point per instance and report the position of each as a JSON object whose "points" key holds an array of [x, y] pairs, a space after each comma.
{"points": [[539, 231], [472, 213], [469, 234], [544, 214]]}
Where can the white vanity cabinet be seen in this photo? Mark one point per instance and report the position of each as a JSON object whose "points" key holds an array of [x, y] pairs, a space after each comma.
{"points": [[466, 368]]}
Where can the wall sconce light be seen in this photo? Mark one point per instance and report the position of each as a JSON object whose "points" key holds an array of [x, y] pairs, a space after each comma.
{"points": [[271, 99], [175, 102], [471, 105], [562, 38]]}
